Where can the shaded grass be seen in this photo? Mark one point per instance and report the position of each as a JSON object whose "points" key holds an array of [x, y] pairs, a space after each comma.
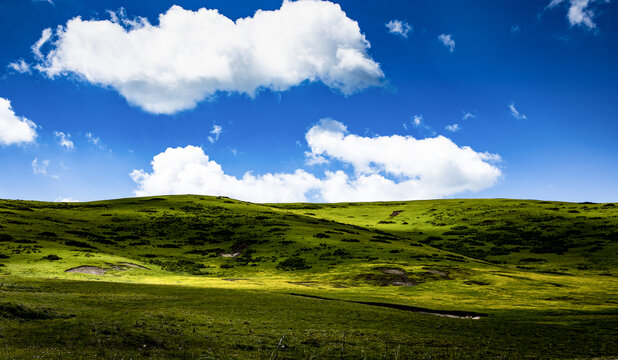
{"points": [[544, 272], [133, 320]]}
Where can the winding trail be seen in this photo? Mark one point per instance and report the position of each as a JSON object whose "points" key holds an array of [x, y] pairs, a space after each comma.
{"points": [[457, 314]]}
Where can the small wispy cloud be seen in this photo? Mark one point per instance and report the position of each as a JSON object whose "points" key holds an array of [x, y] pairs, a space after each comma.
{"points": [[20, 66], [580, 12], [36, 48], [216, 131], [448, 41], [399, 27], [39, 168], [64, 140], [418, 122], [515, 113], [96, 141], [515, 29], [467, 116], [453, 127]]}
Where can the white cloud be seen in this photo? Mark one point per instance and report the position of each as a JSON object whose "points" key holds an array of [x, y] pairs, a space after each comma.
{"points": [[14, 129], [417, 120], [39, 168], [36, 48], [216, 131], [399, 27], [448, 41], [189, 171], [516, 114], [431, 167], [65, 199], [189, 55], [453, 127], [96, 141], [468, 116], [384, 168], [580, 12], [64, 140], [20, 66]]}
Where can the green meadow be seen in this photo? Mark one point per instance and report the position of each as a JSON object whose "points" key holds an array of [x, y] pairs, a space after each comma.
{"points": [[200, 277]]}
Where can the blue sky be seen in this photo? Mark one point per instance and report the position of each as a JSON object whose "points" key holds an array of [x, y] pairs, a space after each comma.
{"points": [[315, 100]]}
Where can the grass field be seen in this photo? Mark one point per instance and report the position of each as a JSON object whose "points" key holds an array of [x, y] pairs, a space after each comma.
{"points": [[215, 278]]}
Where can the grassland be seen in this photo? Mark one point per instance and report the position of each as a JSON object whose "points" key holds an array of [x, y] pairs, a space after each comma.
{"points": [[203, 277]]}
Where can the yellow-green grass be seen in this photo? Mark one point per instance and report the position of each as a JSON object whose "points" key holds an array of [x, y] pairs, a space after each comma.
{"points": [[544, 272]]}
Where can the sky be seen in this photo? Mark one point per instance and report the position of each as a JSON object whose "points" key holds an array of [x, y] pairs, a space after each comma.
{"points": [[318, 101]]}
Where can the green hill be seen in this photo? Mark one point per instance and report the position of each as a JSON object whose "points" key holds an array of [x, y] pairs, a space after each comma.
{"points": [[205, 277]]}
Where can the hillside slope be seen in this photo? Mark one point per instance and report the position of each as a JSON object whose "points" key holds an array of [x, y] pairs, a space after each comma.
{"points": [[445, 246], [176, 276]]}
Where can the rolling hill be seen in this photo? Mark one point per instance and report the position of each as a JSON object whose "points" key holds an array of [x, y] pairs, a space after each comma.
{"points": [[213, 277]]}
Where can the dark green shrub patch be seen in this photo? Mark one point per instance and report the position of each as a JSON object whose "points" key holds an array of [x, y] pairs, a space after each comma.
{"points": [[16, 311], [168, 246], [48, 234], [293, 263], [342, 253], [6, 238], [79, 244], [87, 235], [532, 260], [379, 239], [24, 241], [473, 282], [140, 243], [126, 237], [383, 237], [550, 245]]}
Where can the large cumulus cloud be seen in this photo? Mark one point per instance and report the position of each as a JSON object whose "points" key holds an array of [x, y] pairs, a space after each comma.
{"points": [[14, 129], [189, 55], [383, 168]]}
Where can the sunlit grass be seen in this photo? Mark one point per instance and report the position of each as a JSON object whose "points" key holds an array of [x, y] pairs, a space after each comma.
{"points": [[544, 272]]}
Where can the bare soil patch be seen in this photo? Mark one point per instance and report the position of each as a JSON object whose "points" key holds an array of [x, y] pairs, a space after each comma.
{"points": [[87, 269], [388, 276], [231, 255], [435, 272], [396, 212], [134, 265]]}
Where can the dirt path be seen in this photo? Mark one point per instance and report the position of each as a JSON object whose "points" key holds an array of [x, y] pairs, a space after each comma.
{"points": [[445, 313]]}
